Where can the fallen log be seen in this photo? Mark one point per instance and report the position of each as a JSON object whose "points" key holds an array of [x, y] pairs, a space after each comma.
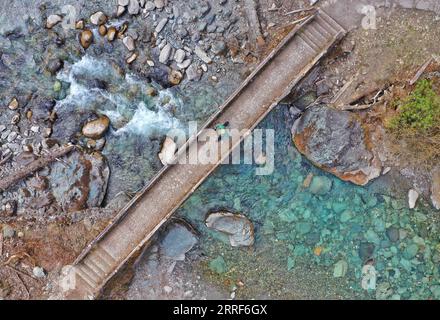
{"points": [[36, 165], [421, 71]]}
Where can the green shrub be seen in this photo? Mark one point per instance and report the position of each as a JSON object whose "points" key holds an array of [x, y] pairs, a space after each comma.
{"points": [[419, 111]]}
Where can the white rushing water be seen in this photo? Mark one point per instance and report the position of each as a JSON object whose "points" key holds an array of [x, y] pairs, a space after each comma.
{"points": [[141, 115]]}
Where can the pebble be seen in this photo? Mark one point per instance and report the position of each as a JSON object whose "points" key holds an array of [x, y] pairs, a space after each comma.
{"points": [[39, 272], [123, 2], [53, 20], [413, 196], [86, 38], [340, 269], [120, 11], [95, 129], [129, 43], [98, 18], [369, 276], [111, 33], [185, 64], [8, 231], [132, 58], [202, 55], [320, 185], [133, 7], [162, 23], [150, 6], [175, 77], [159, 4], [13, 105], [179, 56], [102, 30], [165, 53]]}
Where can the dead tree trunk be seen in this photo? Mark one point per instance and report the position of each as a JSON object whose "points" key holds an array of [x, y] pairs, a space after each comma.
{"points": [[36, 165]]}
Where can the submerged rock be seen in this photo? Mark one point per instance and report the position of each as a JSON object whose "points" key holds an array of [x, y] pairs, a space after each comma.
{"points": [[178, 240], [340, 269], [218, 265], [239, 228], [335, 141], [320, 185], [82, 184]]}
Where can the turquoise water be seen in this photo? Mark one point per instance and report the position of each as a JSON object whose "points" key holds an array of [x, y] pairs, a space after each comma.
{"points": [[300, 237]]}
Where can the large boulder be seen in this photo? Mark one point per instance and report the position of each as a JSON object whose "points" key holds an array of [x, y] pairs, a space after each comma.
{"points": [[178, 240], [336, 142], [80, 182], [239, 228]]}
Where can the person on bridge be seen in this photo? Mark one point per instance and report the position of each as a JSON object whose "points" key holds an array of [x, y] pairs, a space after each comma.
{"points": [[222, 130]]}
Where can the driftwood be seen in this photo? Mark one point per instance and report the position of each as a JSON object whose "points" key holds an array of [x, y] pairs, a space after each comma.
{"points": [[34, 166], [253, 20], [421, 71], [299, 11]]}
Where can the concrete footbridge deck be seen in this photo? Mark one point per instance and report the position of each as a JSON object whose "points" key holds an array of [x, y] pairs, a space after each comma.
{"points": [[134, 226]]}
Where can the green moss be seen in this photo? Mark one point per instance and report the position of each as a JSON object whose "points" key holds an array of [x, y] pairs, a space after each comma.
{"points": [[419, 111]]}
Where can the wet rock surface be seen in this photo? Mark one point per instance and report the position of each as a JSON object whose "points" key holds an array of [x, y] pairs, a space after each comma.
{"points": [[336, 142], [239, 229]]}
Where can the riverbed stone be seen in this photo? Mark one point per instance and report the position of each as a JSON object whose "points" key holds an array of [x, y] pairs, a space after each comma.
{"points": [[95, 129], [169, 148], [239, 228], [178, 240], [82, 184], [336, 142], [98, 18], [320, 185], [53, 20], [86, 38]]}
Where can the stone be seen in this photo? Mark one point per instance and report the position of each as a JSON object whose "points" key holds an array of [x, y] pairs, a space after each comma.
{"points": [[337, 142], [86, 38], [8, 231], [82, 184], [128, 42], [410, 251], [413, 196], [320, 185], [303, 228], [169, 148], [150, 6], [179, 56], [366, 251], [193, 73], [218, 265], [393, 234], [120, 11], [346, 216], [102, 30], [435, 188], [54, 65], [53, 20], [185, 64], [131, 58], [13, 105], [123, 2], [340, 269], [9, 209], [239, 228], [111, 33], [96, 129], [159, 4], [178, 240], [80, 24], [219, 48], [202, 55], [175, 77], [98, 18], [369, 277], [162, 23], [38, 272], [165, 53], [134, 7]]}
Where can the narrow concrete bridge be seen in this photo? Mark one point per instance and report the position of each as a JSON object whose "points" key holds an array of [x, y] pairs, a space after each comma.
{"points": [[274, 79]]}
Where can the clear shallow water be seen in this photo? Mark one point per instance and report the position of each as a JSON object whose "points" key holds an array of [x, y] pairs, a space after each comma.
{"points": [[300, 236]]}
